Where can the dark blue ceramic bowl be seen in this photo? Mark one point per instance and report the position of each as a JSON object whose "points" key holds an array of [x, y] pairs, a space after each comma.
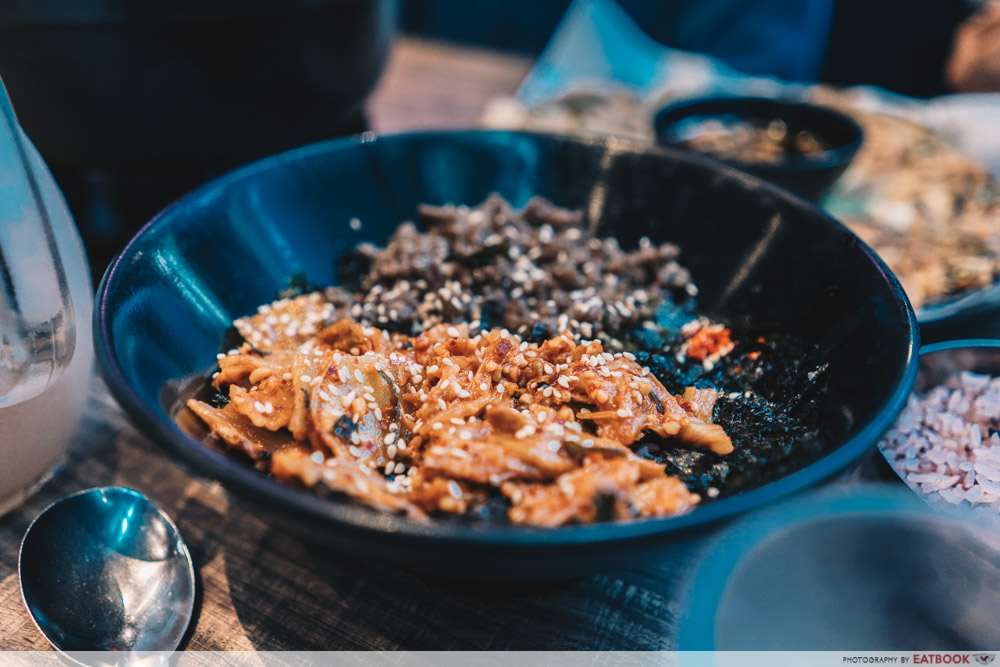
{"points": [[758, 254], [807, 175]]}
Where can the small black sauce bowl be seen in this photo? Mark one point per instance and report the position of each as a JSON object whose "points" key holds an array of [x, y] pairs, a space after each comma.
{"points": [[809, 176]]}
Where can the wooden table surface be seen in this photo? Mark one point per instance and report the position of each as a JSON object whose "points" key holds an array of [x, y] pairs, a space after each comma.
{"points": [[263, 588]]}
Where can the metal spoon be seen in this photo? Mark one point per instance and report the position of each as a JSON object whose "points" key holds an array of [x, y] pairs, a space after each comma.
{"points": [[107, 570]]}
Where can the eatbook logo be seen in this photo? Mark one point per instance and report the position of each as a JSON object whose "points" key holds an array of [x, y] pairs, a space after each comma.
{"points": [[984, 658]]}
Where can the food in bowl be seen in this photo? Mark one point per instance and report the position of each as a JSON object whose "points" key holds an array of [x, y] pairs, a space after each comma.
{"points": [[447, 415], [930, 211], [946, 444], [507, 361], [800, 146], [748, 142]]}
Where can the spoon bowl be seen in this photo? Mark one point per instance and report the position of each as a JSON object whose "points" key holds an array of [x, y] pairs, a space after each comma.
{"points": [[106, 570]]}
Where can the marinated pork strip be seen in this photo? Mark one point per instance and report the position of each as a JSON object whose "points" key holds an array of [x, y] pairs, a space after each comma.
{"points": [[287, 323], [488, 452], [354, 407], [699, 402], [243, 368], [345, 475], [614, 485], [269, 404], [239, 432], [440, 494]]}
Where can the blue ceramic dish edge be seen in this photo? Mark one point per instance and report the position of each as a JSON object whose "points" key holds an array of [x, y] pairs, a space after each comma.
{"points": [[246, 481]]}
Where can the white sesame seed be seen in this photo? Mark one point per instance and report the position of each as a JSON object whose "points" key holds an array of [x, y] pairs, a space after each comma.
{"points": [[317, 457], [453, 332], [500, 388], [390, 451], [563, 382], [465, 435], [258, 406], [524, 432], [358, 376], [391, 437], [437, 426], [454, 488]]}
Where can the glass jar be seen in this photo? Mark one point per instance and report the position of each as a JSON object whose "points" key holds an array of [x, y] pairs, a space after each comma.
{"points": [[46, 299]]}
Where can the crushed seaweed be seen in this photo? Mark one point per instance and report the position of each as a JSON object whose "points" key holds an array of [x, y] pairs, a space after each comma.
{"points": [[768, 405]]}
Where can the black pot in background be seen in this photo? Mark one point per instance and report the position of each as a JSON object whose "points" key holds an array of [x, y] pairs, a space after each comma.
{"points": [[809, 176], [133, 102]]}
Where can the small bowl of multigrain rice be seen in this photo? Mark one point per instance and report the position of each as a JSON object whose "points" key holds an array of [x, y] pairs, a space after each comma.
{"points": [[946, 443]]}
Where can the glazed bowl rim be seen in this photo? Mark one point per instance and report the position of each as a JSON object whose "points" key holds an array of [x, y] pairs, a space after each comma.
{"points": [[247, 482]]}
